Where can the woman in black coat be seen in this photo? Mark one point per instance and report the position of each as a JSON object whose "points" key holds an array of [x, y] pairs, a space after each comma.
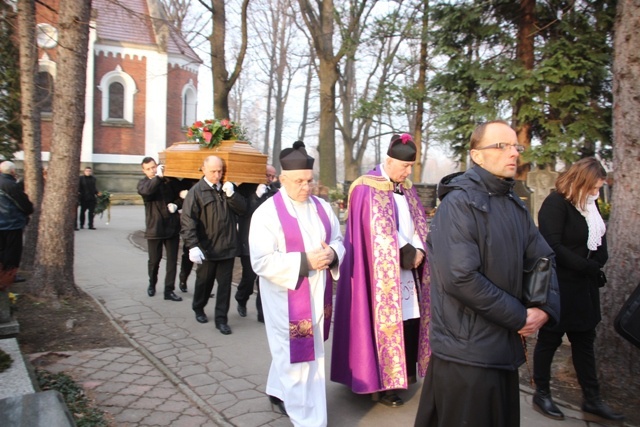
{"points": [[570, 222]]}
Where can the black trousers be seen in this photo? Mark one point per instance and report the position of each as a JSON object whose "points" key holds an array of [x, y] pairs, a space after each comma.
{"points": [[10, 249], [247, 282], [87, 205], [411, 329], [185, 264], [454, 394], [155, 255], [206, 273], [582, 354]]}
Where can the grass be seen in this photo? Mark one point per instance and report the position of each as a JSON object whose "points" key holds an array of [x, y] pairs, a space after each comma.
{"points": [[81, 408]]}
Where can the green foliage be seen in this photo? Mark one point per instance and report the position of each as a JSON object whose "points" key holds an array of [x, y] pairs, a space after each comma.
{"points": [[10, 127], [566, 97], [103, 202], [605, 209], [80, 407], [5, 361]]}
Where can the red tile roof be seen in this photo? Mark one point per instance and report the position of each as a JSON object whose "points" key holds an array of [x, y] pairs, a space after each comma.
{"points": [[129, 21]]}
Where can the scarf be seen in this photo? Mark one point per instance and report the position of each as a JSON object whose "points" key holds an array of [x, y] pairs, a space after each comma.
{"points": [[594, 223]]}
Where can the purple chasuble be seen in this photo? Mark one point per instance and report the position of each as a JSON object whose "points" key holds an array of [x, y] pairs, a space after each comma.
{"points": [[368, 352], [301, 347]]}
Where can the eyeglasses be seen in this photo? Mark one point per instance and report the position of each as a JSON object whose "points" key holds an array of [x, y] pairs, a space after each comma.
{"points": [[504, 146]]}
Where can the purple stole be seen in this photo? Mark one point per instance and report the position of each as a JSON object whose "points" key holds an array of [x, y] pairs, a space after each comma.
{"points": [[301, 347]]}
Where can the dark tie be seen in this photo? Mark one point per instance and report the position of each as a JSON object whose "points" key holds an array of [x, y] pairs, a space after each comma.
{"points": [[397, 188]]}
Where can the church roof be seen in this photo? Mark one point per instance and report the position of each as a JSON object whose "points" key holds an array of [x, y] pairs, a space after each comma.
{"points": [[139, 22]]}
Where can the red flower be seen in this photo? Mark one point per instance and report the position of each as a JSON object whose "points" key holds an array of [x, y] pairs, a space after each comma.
{"points": [[197, 124], [207, 135], [190, 133], [225, 123]]}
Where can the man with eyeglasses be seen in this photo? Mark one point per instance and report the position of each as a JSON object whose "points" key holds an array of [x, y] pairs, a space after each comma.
{"points": [[478, 242], [384, 282], [296, 248]]}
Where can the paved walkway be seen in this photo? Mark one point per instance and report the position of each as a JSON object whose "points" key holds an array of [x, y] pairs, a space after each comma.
{"points": [[182, 373]]}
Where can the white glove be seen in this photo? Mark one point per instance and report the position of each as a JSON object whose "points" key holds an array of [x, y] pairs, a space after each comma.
{"points": [[172, 207], [228, 188], [261, 190], [160, 171], [183, 194], [195, 255]]}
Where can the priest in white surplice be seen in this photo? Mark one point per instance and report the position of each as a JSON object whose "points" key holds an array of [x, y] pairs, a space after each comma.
{"points": [[296, 248]]}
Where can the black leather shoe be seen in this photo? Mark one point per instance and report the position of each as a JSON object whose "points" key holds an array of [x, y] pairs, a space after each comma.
{"points": [[260, 317], [92, 228], [391, 399], [600, 409], [224, 329], [151, 291], [242, 311], [172, 297], [201, 318], [543, 403], [183, 286], [278, 404]]}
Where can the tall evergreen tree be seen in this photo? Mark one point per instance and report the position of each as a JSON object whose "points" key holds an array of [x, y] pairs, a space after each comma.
{"points": [[565, 96]]}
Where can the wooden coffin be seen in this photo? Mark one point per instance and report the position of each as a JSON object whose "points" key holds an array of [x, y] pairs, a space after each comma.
{"points": [[243, 162]]}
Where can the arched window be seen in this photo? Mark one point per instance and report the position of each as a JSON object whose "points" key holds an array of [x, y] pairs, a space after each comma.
{"points": [[189, 104], [116, 101], [118, 89], [45, 85], [44, 91]]}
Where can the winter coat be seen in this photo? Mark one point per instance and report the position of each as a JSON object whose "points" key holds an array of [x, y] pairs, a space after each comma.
{"points": [[15, 206], [477, 244], [566, 231], [253, 202], [87, 189], [157, 193], [210, 221]]}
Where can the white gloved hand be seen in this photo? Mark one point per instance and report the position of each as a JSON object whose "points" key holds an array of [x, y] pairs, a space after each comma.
{"points": [[172, 207], [183, 194], [160, 171], [261, 190], [228, 188], [195, 255]]}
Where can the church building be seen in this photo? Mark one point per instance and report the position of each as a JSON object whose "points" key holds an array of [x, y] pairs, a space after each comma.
{"points": [[141, 87]]}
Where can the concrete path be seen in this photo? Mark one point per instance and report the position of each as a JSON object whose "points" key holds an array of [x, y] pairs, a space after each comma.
{"points": [[182, 373]]}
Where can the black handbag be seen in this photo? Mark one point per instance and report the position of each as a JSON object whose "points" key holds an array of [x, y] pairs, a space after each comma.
{"points": [[627, 321], [535, 281]]}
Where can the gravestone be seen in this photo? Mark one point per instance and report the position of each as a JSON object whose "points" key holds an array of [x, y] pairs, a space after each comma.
{"points": [[521, 190], [541, 182]]}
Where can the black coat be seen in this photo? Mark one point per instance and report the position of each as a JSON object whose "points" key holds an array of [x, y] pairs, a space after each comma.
{"points": [[157, 193], [253, 202], [210, 221], [477, 244], [566, 231], [87, 189]]}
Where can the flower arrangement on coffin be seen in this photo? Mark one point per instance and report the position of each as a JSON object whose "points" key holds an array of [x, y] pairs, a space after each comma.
{"points": [[211, 132]]}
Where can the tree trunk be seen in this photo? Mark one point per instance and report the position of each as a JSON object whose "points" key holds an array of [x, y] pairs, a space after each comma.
{"points": [[421, 89], [320, 26], [525, 57], [53, 274], [31, 143], [222, 82], [619, 361]]}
